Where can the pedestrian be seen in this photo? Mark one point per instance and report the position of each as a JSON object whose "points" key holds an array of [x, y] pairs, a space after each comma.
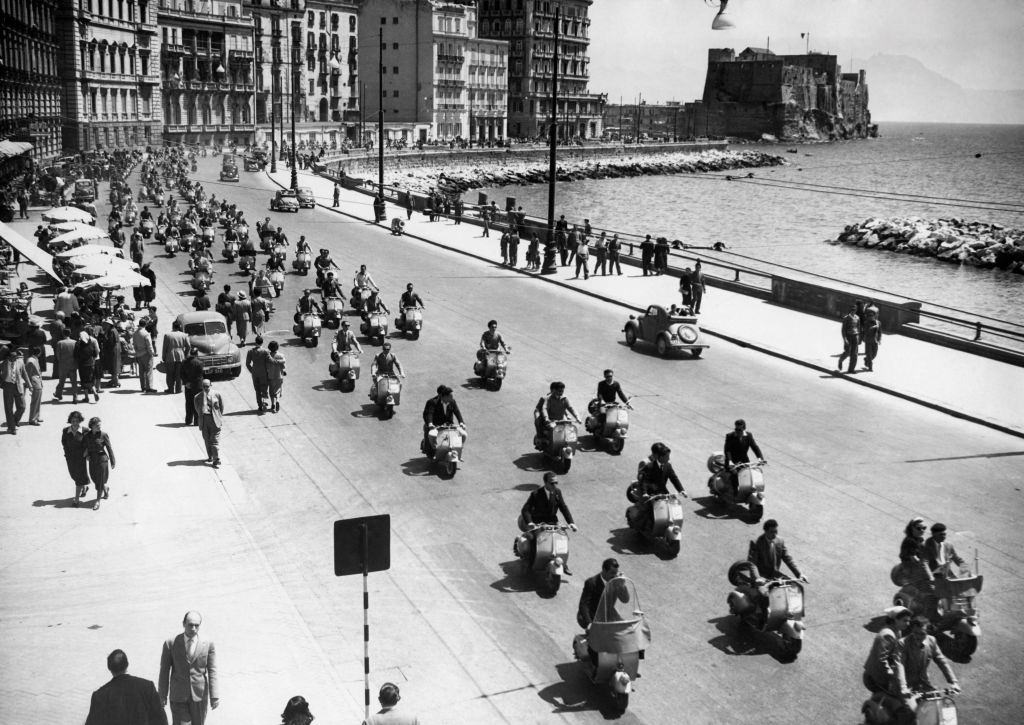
{"points": [[73, 441], [35, 389], [588, 231], [148, 291], [65, 302], [256, 364], [226, 305], [387, 715], [56, 329], [850, 329], [144, 354], [174, 351], [582, 257], [614, 249], [22, 205], [210, 408], [65, 366], [296, 712], [661, 256], [36, 337], [686, 288], [192, 380], [260, 312], [459, 208], [275, 364], [513, 247], [571, 242], [201, 302], [485, 218], [100, 455], [646, 255], [188, 674], [15, 381], [154, 323], [872, 338], [110, 353], [505, 237], [533, 253], [87, 353], [126, 699], [601, 254], [242, 315], [337, 195], [697, 287]]}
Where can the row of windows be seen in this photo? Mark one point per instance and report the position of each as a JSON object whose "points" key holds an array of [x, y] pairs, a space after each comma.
{"points": [[28, 54], [335, 21], [111, 58], [107, 8], [33, 14], [112, 103]]}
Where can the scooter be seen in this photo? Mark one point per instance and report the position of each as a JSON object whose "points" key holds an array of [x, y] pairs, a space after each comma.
{"points": [[609, 424], [665, 525], [280, 250], [208, 235], [447, 442], [771, 606], [750, 488], [559, 444], [308, 329], [230, 250], [277, 279], [386, 392], [410, 322], [375, 326], [146, 228], [492, 368], [359, 298], [615, 642], [242, 231], [171, 246], [246, 262], [954, 616], [201, 279], [301, 263], [268, 237], [551, 542], [347, 371], [934, 707], [334, 308]]}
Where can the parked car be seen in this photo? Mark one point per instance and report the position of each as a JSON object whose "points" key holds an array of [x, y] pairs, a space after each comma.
{"points": [[285, 200], [252, 163], [669, 330], [306, 198], [84, 191], [208, 332], [229, 169]]}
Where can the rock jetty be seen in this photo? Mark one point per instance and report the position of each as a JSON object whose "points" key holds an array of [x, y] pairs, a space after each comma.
{"points": [[951, 240], [459, 178]]}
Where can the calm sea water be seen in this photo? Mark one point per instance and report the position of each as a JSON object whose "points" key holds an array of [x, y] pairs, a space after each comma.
{"points": [[787, 227]]}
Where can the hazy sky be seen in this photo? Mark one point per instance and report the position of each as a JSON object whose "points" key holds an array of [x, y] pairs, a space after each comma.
{"points": [[659, 47]]}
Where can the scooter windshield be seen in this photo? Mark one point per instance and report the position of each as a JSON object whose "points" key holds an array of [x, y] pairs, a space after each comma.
{"points": [[619, 624]]}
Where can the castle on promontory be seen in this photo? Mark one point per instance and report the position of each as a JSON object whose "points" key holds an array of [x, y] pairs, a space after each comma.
{"points": [[791, 97]]}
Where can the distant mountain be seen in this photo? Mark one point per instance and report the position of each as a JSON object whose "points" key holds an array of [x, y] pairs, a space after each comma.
{"points": [[902, 89]]}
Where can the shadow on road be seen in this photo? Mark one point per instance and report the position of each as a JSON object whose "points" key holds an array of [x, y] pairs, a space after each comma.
{"points": [[712, 508], [190, 462], [515, 579], [326, 384], [418, 466], [173, 425], [61, 503], [532, 461], [575, 693], [366, 410], [626, 541], [741, 640], [473, 383], [251, 411]]}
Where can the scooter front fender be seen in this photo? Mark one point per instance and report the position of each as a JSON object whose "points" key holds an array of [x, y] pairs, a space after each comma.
{"points": [[968, 627], [389, 400], [621, 683], [555, 567], [673, 533], [566, 453], [453, 457], [792, 629]]}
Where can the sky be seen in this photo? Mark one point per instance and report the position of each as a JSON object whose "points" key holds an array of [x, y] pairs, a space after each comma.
{"points": [[659, 47]]}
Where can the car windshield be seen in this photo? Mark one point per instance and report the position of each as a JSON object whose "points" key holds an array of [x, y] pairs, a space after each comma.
{"points": [[307, 191], [208, 328]]}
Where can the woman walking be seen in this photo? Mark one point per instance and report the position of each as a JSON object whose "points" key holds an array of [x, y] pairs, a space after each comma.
{"points": [[87, 351], [275, 376], [73, 440], [243, 314], [100, 455], [259, 312]]}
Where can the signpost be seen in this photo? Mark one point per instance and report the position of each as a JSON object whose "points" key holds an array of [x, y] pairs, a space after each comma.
{"points": [[362, 545]]}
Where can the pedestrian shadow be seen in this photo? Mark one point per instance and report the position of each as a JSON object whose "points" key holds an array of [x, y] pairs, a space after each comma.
{"points": [[366, 410], [625, 541], [575, 693], [119, 391], [60, 503], [532, 462], [250, 411], [418, 466], [174, 425], [190, 462]]}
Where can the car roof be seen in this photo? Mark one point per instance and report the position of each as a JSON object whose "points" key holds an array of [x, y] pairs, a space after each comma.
{"points": [[305, 188], [190, 318], [286, 192]]}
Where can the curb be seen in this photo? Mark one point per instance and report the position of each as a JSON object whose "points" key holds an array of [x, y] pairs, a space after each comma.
{"points": [[938, 407]]}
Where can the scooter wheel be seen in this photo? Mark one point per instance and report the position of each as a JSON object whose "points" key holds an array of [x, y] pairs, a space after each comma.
{"points": [[617, 445], [756, 512], [564, 465], [791, 647], [621, 700], [962, 645], [389, 412], [554, 584], [415, 335], [673, 548], [496, 385], [347, 386], [450, 469]]}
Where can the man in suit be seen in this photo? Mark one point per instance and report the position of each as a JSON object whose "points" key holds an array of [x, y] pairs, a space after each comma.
{"points": [[439, 410], [209, 407], [768, 553], [192, 378], [188, 674], [64, 363], [175, 350], [144, 353], [125, 700], [15, 381], [542, 507], [940, 552], [256, 364], [593, 588]]}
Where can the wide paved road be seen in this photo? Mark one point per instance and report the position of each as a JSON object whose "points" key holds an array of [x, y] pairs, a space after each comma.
{"points": [[468, 636]]}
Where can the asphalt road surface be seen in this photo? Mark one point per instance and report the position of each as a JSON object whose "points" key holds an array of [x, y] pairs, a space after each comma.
{"points": [[848, 468]]}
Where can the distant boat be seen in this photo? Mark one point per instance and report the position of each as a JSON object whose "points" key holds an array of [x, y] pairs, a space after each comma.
{"points": [[791, 151]]}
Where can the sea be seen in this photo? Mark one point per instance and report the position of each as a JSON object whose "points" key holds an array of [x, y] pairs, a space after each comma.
{"points": [[939, 170]]}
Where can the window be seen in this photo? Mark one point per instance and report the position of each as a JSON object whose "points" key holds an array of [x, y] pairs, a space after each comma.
{"points": [[394, 46], [394, 70], [311, 86], [383, 21], [352, 23], [309, 19], [394, 20]]}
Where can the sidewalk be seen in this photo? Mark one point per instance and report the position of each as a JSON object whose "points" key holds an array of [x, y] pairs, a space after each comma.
{"points": [[984, 391]]}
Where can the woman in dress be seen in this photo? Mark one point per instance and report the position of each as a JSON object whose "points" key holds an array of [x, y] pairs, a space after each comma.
{"points": [[73, 440], [100, 455], [243, 314], [275, 376], [259, 312]]}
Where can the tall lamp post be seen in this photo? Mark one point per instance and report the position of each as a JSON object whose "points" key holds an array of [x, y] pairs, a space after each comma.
{"points": [[275, 46], [294, 76], [553, 131], [380, 117]]}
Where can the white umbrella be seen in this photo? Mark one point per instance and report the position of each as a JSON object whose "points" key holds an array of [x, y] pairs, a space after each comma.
{"points": [[71, 226], [88, 250], [100, 265], [67, 214], [81, 234], [115, 280]]}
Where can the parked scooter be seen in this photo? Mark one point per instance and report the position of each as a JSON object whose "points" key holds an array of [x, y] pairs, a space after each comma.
{"points": [[447, 442], [346, 369], [302, 262], [375, 326], [609, 424], [308, 329], [551, 542], [410, 322], [559, 444], [750, 488], [951, 609], [771, 606], [386, 392], [493, 368], [615, 642], [334, 309], [663, 526]]}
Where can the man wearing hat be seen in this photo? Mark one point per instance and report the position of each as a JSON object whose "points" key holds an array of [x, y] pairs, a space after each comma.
{"points": [[883, 669], [919, 649], [35, 337], [15, 381], [543, 507], [439, 410], [940, 552]]}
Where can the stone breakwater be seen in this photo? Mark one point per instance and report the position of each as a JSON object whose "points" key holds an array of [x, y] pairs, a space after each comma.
{"points": [[951, 240], [460, 177]]}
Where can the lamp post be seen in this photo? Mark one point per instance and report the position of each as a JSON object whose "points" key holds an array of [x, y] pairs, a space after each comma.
{"points": [[380, 117], [291, 98], [549, 257], [273, 106]]}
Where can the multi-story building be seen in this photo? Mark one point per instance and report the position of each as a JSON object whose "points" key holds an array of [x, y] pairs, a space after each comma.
{"points": [[30, 109], [277, 31], [529, 25], [207, 77], [441, 80], [330, 82], [643, 120]]}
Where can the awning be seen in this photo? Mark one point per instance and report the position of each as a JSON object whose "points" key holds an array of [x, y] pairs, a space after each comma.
{"points": [[13, 148], [30, 250]]}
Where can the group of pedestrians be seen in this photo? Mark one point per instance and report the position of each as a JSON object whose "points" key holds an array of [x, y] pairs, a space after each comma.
{"points": [[860, 324]]}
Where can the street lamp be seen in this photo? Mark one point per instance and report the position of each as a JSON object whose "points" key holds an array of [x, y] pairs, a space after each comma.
{"points": [[721, 22]]}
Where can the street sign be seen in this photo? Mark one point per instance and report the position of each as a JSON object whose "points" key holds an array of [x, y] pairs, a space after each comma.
{"points": [[362, 545]]}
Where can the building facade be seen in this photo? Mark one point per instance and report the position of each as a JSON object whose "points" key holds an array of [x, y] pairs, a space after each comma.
{"points": [[277, 33], [330, 74], [30, 91], [441, 80], [109, 53], [528, 26], [645, 121], [206, 72]]}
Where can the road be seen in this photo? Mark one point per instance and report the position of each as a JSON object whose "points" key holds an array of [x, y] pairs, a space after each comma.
{"points": [[455, 623]]}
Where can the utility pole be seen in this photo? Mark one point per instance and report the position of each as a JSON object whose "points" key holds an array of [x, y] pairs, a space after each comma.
{"points": [[553, 132], [296, 37], [275, 47], [380, 118]]}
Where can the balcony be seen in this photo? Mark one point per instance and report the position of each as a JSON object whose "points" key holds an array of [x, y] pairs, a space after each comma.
{"points": [[146, 28], [443, 58], [217, 13], [175, 128], [172, 49], [240, 55], [450, 82]]}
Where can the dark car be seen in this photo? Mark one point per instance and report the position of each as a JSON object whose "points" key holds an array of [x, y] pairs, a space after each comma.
{"points": [[252, 163], [285, 200], [209, 332], [306, 198], [229, 169], [669, 330]]}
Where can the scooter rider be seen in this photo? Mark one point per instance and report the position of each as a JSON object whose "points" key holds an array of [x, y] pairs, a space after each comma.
{"points": [[384, 363], [145, 214], [490, 340], [302, 245], [737, 444], [345, 340], [919, 649], [275, 263], [374, 303], [305, 305], [883, 670], [593, 588], [608, 390], [439, 410], [768, 553], [654, 475], [363, 279], [551, 408], [409, 298], [543, 507], [331, 286], [322, 263]]}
